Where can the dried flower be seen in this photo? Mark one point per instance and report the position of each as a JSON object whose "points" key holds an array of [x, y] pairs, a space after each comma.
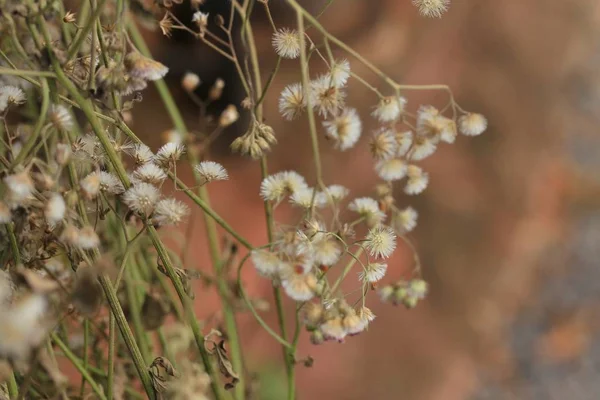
{"points": [[190, 81], [390, 170], [142, 67], [422, 148], [389, 108], [216, 90], [60, 117], [326, 98], [406, 220], [211, 171], [381, 241], [228, 116], [417, 180], [472, 124], [383, 144], [142, 198], [11, 95], [267, 263], [55, 209], [166, 25], [340, 72], [432, 8], [373, 272], [292, 101], [300, 287], [169, 212], [274, 187], [142, 154], [69, 17], [150, 173], [201, 20], [20, 186], [286, 43], [344, 129], [368, 209], [168, 154]]}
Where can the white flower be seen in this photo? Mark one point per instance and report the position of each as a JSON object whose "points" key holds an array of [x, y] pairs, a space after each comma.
{"points": [[90, 185], [170, 212], [229, 115], [422, 148], [344, 129], [55, 209], [327, 250], [142, 154], [87, 239], [383, 145], [83, 239], [142, 67], [169, 153], [381, 241], [390, 170], [334, 329], [404, 140], [434, 126], [326, 98], [23, 327], [150, 173], [142, 198], [60, 117], [286, 43], [190, 81], [20, 186], [200, 18], [292, 101], [417, 180], [472, 124], [366, 315], [432, 8], [5, 214], [389, 108], [211, 171], [11, 95], [373, 272], [173, 136], [267, 263], [335, 192], [304, 198], [300, 287], [352, 323], [274, 187], [406, 220], [109, 183], [367, 208], [340, 72]]}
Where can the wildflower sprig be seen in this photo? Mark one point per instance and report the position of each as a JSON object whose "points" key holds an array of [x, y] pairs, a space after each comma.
{"points": [[85, 203]]}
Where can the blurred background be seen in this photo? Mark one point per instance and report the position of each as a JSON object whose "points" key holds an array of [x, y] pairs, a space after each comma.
{"points": [[510, 224]]}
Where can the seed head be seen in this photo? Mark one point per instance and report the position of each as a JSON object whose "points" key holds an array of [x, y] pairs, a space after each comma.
{"points": [[170, 212], [391, 170], [55, 209], [142, 67], [190, 81], [150, 173], [417, 180], [211, 171], [381, 241], [292, 101], [344, 129], [286, 43], [432, 8], [368, 209], [389, 108], [472, 124], [142, 198]]}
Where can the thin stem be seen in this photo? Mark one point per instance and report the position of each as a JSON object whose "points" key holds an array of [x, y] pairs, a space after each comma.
{"points": [[23, 72], [32, 140], [269, 81], [258, 318], [10, 229], [77, 363], [82, 34], [112, 333], [13, 389]]}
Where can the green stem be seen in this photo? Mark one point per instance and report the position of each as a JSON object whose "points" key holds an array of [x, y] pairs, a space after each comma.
{"points": [[82, 34], [31, 141], [23, 72], [112, 333], [10, 229], [13, 388], [77, 363], [86, 353]]}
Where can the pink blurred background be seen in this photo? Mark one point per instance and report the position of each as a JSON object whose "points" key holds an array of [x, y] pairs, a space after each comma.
{"points": [[509, 225]]}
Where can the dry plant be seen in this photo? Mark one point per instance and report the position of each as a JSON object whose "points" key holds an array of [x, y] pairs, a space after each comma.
{"points": [[86, 204]]}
